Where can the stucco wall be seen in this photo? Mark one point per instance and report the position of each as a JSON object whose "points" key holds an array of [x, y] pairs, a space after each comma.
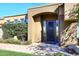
{"points": [[37, 29]]}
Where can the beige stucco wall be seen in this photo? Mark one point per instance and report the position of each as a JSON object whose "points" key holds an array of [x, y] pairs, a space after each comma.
{"points": [[37, 29]]}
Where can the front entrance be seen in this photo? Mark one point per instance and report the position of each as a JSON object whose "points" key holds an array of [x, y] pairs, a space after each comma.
{"points": [[50, 31]]}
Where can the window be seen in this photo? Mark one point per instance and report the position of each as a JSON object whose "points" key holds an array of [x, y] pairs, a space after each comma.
{"points": [[22, 20], [7, 21], [16, 21]]}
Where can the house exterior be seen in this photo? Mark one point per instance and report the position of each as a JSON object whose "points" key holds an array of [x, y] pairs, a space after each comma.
{"points": [[46, 23], [50, 23]]}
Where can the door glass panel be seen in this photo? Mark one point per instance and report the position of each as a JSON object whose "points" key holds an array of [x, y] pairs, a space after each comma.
{"points": [[44, 31], [57, 30]]}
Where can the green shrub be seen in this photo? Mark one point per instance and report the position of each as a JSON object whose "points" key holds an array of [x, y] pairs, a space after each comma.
{"points": [[11, 30], [14, 41], [11, 41]]}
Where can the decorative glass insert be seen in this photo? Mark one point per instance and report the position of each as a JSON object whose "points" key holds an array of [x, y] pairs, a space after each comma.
{"points": [[57, 30]]}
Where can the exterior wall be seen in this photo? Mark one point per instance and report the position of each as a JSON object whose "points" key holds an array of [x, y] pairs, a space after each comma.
{"points": [[32, 25], [37, 29], [12, 18]]}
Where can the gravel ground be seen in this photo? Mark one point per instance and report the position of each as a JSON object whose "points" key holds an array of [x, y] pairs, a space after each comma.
{"points": [[46, 49]]}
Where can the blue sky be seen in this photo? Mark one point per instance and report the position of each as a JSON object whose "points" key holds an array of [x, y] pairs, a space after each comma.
{"points": [[7, 9]]}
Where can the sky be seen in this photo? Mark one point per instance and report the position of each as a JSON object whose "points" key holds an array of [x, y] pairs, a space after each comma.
{"points": [[7, 9]]}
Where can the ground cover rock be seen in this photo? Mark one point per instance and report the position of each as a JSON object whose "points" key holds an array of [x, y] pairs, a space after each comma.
{"points": [[42, 49]]}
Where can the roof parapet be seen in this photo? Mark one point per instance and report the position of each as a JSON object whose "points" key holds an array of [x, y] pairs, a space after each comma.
{"points": [[46, 5]]}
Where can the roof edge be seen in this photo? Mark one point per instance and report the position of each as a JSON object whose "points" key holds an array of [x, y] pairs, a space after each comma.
{"points": [[53, 4], [14, 15]]}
